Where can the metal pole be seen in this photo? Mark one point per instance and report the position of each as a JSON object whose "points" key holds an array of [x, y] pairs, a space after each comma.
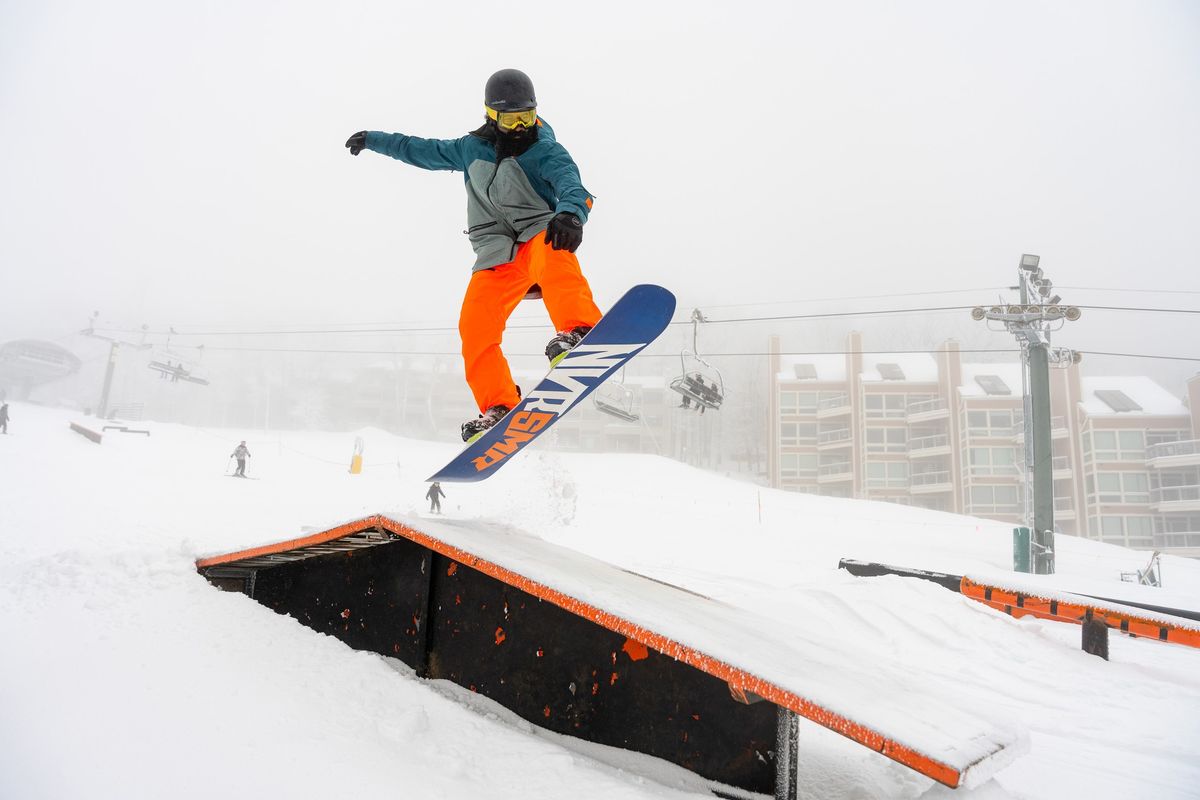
{"points": [[1043, 475], [787, 741], [108, 376]]}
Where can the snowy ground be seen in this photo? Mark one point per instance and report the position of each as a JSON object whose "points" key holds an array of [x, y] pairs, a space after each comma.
{"points": [[124, 675]]}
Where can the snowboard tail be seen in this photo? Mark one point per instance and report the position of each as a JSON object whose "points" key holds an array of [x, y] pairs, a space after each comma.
{"points": [[636, 320]]}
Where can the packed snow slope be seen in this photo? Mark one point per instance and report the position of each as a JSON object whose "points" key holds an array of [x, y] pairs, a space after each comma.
{"points": [[123, 674]]}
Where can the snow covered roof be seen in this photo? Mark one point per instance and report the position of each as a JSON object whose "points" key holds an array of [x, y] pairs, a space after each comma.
{"points": [[1008, 372], [826, 367], [1148, 397], [909, 367]]}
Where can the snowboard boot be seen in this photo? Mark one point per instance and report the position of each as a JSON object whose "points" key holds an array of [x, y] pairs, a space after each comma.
{"points": [[472, 429], [563, 341]]}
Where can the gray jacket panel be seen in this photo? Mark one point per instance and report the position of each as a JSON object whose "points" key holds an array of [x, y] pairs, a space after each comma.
{"points": [[503, 210]]}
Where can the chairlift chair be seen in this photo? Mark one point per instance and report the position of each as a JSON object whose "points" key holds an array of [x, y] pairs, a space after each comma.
{"points": [[172, 365], [616, 399], [700, 383]]}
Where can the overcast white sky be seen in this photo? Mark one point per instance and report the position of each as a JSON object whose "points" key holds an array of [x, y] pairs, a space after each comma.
{"points": [[182, 163]]}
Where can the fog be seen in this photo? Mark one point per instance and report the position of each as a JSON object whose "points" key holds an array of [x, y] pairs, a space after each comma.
{"points": [[182, 166]]}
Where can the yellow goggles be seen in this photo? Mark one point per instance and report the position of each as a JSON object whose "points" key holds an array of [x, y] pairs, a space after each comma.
{"points": [[511, 119]]}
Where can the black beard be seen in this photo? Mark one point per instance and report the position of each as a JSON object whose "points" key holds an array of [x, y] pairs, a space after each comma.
{"points": [[514, 143]]}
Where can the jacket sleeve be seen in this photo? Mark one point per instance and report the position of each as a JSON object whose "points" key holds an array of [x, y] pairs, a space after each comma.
{"points": [[444, 154], [559, 168]]}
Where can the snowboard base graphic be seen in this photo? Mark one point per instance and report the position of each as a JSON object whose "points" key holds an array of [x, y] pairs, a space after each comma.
{"points": [[636, 320]]}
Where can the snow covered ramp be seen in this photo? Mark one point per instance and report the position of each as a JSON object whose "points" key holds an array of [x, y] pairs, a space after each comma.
{"points": [[399, 587]]}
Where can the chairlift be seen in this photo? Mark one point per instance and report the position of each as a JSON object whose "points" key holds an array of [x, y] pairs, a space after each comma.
{"points": [[616, 399], [173, 366], [700, 382]]}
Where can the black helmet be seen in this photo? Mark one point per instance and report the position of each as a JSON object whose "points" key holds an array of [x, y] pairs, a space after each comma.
{"points": [[509, 90]]}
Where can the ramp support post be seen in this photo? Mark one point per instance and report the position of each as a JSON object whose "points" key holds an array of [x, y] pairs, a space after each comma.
{"points": [[1095, 636], [430, 559], [787, 737]]}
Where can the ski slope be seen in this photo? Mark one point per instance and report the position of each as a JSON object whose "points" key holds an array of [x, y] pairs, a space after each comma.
{"points": [[124, 674]]}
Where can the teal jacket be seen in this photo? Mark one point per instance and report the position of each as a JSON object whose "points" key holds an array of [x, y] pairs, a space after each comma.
{"points": [[509, 202]]}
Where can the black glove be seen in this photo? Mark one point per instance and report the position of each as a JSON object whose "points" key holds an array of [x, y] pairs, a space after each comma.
{"points": [[565, 232], [357, 142]]}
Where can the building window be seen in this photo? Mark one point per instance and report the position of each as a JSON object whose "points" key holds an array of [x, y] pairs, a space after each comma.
{"points": [[791, 403], [887, 474], [798, 465], [1115, 446], [1129, 531], [887, 406], [887, 440], [994, 500], [991, 461], [992, 424], [1122, 487], [792, 434]]}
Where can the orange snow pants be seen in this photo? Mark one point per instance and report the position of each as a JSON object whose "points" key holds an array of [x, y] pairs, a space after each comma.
{"points": [[494, 294]]}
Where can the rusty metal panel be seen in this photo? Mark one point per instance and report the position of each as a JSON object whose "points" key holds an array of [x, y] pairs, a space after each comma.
{"points": [[548, 665]]}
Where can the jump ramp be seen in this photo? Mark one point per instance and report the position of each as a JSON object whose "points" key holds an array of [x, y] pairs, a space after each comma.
{"points": [[582, 647]]}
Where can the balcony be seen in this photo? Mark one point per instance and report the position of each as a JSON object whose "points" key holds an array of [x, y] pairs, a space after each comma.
{"points": [[1174, 454], [930, 482], [1061, 468], [835, 473], [1064, 508], [834, 439], [927, 446], [927, 410], [1058, 429], [1180, 543], [992, 471], [833, 406], [1175, 498]]}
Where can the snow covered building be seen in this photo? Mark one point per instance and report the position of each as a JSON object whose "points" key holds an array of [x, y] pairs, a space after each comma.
{"points": [[26, 363], [930, 430]]}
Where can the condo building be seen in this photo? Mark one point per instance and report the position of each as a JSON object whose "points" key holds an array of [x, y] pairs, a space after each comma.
{"points": [[935, 431]]}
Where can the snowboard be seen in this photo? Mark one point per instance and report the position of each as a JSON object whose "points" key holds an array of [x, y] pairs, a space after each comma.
{"points": [[630, 325]]}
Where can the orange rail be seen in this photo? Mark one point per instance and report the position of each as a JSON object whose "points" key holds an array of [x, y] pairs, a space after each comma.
{"points": [[1020, 604]]}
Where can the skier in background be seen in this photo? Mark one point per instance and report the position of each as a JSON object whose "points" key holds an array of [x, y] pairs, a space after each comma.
{"points": [[434, 494], [4, 418], [526, 208], [241, 454]]}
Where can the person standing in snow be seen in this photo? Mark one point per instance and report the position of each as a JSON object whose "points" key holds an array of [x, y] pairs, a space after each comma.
{"points": [[526, 207], [434, 496], [4, 418], [241, 454]]}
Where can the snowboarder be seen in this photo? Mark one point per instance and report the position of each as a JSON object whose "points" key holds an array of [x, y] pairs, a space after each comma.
{"points": [[526, 207], [241, 454], [4, 418], [434, 496]]}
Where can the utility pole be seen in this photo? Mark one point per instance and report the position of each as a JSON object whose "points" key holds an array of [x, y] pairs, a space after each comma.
{"points": [[1031, 322]]}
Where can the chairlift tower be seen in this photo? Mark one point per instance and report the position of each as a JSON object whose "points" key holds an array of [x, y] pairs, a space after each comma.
{"points": [[1031, 322], [114, 347]]}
